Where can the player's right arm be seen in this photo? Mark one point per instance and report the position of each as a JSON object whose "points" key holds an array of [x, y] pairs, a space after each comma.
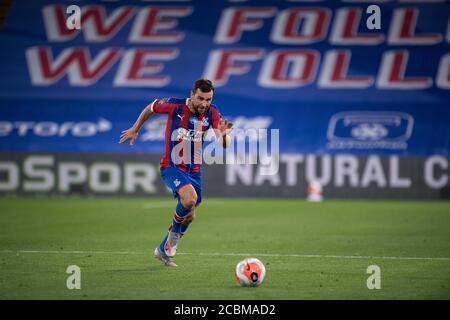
{"points": [[132, 133], [157, 106]]}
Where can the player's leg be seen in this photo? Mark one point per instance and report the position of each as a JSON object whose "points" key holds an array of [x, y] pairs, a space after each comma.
{"points": [[187, 198], [196, 183], [176, 181], [187, 221]]}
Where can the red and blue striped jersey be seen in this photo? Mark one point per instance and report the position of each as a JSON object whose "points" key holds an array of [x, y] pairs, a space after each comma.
{"points": [[185, 132]]}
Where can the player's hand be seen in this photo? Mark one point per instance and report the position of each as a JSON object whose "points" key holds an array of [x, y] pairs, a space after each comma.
{"points": [[129, 134], [224, 126]]}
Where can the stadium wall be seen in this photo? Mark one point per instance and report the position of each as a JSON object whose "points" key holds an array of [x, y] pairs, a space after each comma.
{"points": [[342, 176]]}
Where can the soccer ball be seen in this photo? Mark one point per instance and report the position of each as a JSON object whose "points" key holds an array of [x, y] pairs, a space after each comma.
{"points": [[250, 272]]}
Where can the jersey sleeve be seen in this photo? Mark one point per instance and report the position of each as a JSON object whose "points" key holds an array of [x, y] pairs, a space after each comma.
{"points": [[162, 106], [215, 118]]}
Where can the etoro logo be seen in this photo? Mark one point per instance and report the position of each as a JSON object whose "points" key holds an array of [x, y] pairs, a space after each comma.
{"points": [[54, 129]]}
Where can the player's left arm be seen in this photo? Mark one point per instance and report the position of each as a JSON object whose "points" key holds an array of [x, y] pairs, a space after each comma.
{"points": [[222, 128]]}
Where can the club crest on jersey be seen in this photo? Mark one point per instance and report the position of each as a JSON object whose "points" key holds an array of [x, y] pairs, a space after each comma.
{"points": [[176, 182], [205, 122]]}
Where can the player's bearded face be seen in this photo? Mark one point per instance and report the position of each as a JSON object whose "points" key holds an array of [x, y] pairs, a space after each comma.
{"points": [[201, 100]]}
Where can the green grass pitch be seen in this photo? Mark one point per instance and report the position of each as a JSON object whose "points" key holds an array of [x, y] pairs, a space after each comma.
{"points": [[311, 250]]}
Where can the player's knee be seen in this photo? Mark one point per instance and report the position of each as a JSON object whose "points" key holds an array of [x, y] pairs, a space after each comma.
{"points": [[190, 202]]}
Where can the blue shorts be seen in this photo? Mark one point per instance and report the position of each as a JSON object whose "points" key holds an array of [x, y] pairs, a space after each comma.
{"points": [[175, 179]]}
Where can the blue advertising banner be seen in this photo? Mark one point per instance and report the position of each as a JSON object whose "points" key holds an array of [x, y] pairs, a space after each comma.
{"points": [[96, 126], [333, 76]]}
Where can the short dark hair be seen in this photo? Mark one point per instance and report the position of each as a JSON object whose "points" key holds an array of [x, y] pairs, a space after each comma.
{"points": [[204, 85]]}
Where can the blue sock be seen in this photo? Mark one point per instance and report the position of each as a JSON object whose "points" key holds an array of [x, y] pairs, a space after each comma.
{"points": [[183, 228], [180, 212], [176, 226], [163, 243]]}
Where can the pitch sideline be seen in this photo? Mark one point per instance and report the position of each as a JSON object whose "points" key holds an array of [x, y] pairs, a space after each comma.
{"points": [[232, 254]]}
